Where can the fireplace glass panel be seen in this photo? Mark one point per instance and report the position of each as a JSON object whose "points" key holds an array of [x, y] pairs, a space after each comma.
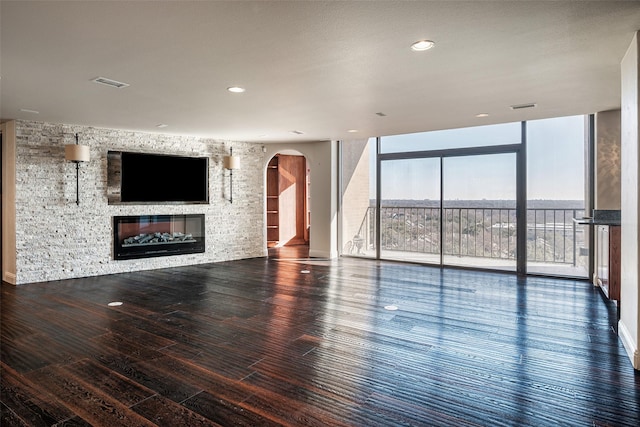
{"points": [[158, 235]]}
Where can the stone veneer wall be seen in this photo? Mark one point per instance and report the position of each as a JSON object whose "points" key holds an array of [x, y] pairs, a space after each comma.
{"points": [[57, 239]]}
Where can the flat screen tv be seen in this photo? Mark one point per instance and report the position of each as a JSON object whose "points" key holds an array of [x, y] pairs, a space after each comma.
{"points": [[149, 178]]}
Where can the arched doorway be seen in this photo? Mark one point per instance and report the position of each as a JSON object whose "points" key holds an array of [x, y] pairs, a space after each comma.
{"points": [[287, 205]]}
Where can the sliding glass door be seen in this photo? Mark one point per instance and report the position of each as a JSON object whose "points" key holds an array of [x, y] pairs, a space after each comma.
{"points": [[450, 210], [557, 193], [410, 210], [479, 211]]}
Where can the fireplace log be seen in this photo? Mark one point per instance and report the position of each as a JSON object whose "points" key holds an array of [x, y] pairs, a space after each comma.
{"points": [[158, 237], [133, 239], [145, 239]]}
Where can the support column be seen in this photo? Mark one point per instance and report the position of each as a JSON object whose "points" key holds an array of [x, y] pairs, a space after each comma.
{"points": [[629, 325]]}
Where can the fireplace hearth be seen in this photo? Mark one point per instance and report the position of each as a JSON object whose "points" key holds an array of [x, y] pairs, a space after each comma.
{"points": [[148, 236]]}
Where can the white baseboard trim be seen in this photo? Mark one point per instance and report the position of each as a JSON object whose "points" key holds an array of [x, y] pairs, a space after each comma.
{"points": [[315, 253], [629, 345]]}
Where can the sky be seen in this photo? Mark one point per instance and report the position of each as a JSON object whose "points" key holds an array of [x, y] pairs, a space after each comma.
{"points": [[555, 163]]}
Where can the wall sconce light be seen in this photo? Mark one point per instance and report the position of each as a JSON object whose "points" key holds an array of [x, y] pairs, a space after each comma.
{"points": [[230, 162], [77, 153]]}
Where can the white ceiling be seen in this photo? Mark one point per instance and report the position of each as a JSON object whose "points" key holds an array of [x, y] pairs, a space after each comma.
{"points": [[317, 67]]}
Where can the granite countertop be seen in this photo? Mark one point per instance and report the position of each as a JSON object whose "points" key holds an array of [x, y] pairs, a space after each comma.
{"points": [[601, 217]]}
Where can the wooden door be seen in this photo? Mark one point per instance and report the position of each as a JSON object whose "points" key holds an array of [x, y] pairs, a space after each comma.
{"points": [[287, 205], [292, 182]]}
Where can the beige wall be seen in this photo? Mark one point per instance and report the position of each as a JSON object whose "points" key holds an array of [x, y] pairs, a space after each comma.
{"points": [[322, 161], [629, 329], [355, 188], [607, 163], [9, 202]]}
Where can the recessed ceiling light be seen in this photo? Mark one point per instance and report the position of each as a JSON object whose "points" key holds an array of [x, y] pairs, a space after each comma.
{"points": [[422, 45], [480, 115], [305, 271], [26, 110], [115, 304], [162, 125], [391, 307], [352, 130], [236, 89]]}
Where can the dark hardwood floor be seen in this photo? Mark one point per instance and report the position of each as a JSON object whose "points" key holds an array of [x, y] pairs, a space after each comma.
{"points": [[289, 252], [273, 341]]}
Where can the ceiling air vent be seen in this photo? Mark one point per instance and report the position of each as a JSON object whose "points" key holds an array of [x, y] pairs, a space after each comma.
{"points": [[523, 106], [109, 82]]}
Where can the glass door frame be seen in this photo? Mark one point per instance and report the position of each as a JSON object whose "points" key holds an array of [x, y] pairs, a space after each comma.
{"points": [[519, 150]]}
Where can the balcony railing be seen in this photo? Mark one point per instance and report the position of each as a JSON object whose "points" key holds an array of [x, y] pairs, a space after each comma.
{"points": [[552, 235]]}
